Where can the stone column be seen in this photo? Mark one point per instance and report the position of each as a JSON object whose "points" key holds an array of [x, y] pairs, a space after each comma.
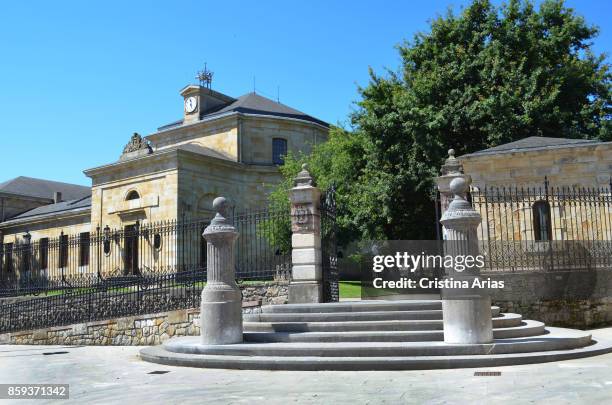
{"points": [[306, 284], [467, 311], [221, 308], [452, 169]]}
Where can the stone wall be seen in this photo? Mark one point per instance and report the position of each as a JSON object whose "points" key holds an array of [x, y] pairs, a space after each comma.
{"points": [[146, 329], [577, 299]]}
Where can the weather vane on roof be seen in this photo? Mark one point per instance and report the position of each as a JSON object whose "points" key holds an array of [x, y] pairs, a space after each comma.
{"points": [[205, 77]]}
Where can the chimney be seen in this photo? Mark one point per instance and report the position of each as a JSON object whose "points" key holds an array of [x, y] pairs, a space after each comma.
{"points": [[57, 197]]}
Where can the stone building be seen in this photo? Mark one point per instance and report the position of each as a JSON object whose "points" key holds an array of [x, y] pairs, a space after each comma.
{"points": [[222, 145], [543, 189], [565, 162]]}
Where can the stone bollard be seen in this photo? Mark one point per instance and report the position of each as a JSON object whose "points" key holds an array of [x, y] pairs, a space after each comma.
{"points": [[221, 308], [306, 284], [466, 312]]}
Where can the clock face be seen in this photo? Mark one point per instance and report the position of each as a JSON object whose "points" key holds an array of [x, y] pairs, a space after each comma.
{"points": [[191, 104]]}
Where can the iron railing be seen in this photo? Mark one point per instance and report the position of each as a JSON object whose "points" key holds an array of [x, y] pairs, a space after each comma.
{"points": [[544, 228], [143, 269], [136, 254], [155, 293]]}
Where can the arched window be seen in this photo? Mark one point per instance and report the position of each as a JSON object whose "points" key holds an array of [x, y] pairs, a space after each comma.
{"points": [[542, 227], [132, 195], [279, 151]]}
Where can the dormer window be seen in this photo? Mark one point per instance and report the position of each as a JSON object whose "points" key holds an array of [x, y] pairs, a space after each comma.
{"points": [[279, 151], [132, 195]]}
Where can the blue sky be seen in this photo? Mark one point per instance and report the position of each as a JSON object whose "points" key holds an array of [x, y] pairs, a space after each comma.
{"points": [[77, 78]]}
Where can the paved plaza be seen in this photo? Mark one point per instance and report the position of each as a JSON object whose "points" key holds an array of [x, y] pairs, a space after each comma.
{"points": [[115, 374]]}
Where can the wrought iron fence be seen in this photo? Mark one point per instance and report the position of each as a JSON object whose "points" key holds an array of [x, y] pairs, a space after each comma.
{"points": [[131, 256], [145, 268], [155, 293], [544, 228]]}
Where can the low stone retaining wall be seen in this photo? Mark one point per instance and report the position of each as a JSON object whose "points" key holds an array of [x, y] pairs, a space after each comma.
{"points": [[147, 329], [575, 299]]}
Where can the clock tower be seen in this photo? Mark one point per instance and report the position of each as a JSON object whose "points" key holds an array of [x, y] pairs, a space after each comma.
{"points": [[201, 99]]}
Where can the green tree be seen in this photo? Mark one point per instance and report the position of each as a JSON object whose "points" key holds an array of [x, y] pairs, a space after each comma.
{"points": [[486, 76], [338, 162]]}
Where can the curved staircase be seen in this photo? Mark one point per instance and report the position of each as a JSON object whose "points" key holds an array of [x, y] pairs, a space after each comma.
{"points": [[373, 335]]}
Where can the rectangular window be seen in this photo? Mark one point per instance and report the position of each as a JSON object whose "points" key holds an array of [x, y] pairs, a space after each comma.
{"points": [[8, 257], [84, 249], [43, 246], [63, 251], [279, 150]]}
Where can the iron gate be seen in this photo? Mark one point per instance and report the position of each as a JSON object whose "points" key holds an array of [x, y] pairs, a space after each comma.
{"points": [[329, 249]]}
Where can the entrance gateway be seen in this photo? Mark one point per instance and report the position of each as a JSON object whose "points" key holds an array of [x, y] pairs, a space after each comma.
{"points": [[453, 332]]}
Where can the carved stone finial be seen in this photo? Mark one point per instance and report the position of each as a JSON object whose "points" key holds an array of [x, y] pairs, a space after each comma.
{"points": [[220, 223], [458, 187], [304, 178], [220, 206], [452, 165], [136, 144]]}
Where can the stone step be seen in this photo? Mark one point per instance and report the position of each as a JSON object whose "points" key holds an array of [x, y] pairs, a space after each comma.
{"points": [[359, 306], [528, 328], [349, 316], [569, 339], [345, 316], [161, 355], [355, 306], [503, 321]]}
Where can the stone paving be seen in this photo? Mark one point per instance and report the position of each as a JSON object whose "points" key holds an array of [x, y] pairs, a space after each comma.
{"points": [[102, 375]]}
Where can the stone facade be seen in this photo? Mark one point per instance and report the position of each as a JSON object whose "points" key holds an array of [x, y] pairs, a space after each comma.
{"points": [[147, 329]]}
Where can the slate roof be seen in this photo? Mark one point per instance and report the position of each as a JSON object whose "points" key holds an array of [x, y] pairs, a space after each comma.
{"points": [[534, 143], [84, 202], [31, 187], [253, 103]]}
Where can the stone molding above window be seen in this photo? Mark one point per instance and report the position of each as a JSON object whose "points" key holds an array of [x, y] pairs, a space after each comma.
{"points": [[134, 205]]}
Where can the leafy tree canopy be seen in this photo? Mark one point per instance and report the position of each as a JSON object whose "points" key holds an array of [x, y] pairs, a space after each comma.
{"points": [[483, 77]]}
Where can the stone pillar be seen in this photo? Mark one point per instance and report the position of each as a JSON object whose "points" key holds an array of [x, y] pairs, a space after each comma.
{"points": [[466, 312], [221, 308], [306, 284], [452, 169]]}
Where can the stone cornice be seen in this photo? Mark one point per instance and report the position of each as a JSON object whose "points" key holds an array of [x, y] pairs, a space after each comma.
{"points": [[227, 163], [121, 165], [235, 114]]}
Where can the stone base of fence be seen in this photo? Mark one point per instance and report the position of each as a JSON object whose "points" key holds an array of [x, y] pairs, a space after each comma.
{"points": [[572, 299], [141, 330]]}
